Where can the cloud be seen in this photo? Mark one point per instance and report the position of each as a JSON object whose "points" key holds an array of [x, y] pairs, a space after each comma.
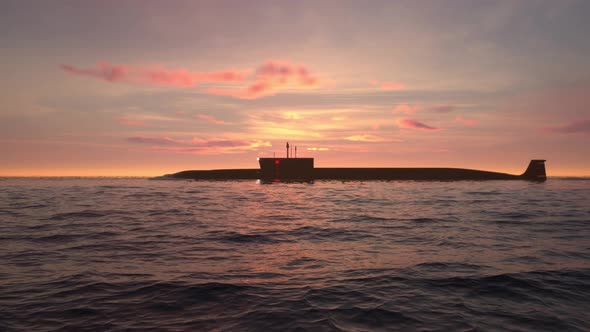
{"points": [[198, 146], [466, 122], [143, 120], [414, 124], [209, 119], [387, 86], [317, 149], [155, 140], [370, 138], [442, 109], [156, 75], [269, 79], [292, 116], [266, 80], [132, 122], [103, 70], [411, 109], [575, 127], [404, 109]]}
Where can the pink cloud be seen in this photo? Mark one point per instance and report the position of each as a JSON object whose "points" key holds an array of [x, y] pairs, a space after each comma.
{"points": [[267, 80], [388, 86], [411, 109], [405, 109], [193, 142], [103, 70], [198, 146], [442, 109], [466, 122], [579, 126], [368, 138], [414, 124], [156, 75], [155, 140], [131, 122], [209, 119], [270, 78]]}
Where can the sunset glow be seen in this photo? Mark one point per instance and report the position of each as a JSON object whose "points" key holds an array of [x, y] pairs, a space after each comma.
{"points": [[150, 87]]}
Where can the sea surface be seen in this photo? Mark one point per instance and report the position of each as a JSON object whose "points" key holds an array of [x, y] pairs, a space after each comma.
{"points": [[133, 254]]}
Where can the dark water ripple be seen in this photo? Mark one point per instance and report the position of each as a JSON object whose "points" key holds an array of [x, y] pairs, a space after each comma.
{"points": [[83, 254]]}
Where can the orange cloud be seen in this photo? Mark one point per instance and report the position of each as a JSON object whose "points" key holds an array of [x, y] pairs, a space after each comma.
{"points": [[292, 116], [156, 75], [209, 119], [414, 124], [370, 138], [387, 86], [269, 79], [575, 127], [317, 149], [466, 122], [198, 146]]}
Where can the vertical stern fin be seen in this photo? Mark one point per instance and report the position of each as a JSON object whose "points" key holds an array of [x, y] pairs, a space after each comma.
{"points": [[535, 171]]}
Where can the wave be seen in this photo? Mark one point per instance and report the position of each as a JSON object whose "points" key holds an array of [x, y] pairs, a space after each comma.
{"points": [[86, 214], [133, 254], [380, 302], [267, 237]]}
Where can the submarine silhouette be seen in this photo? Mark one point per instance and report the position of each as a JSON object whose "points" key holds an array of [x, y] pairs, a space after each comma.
{"points": [[277, 169]]}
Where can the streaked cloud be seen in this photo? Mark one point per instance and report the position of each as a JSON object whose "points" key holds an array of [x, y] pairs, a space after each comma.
{"points": [[132, 122], [155, 140], [414, 124], [404, 109], [198, 146], [574, 127], [467, 122], [292, 116], [368, 138], [302, 123], [267, 80], [270, 78], [411, 109], [387, 86], [144, 120], [156, 75], [442, 109], [193, 142], [210, 119]]}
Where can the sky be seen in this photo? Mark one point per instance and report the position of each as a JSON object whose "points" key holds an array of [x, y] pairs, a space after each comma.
{"points": [[145, 88]]}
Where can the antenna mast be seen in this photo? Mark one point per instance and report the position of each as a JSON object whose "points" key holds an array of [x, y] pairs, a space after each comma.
{"points": [[287, 150]]}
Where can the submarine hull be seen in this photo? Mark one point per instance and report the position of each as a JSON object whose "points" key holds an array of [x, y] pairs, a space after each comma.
{"points": [[433, 174], [302, 169], [218, 174]]}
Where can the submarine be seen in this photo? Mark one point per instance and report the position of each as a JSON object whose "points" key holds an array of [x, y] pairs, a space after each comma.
{"points": [[302, 169]]}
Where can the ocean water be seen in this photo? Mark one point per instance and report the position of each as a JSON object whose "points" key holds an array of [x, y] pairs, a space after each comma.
{"points": [[133, 254]]}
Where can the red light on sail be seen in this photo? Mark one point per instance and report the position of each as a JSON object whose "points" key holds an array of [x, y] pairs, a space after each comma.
{"points": [[277, 161]]}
